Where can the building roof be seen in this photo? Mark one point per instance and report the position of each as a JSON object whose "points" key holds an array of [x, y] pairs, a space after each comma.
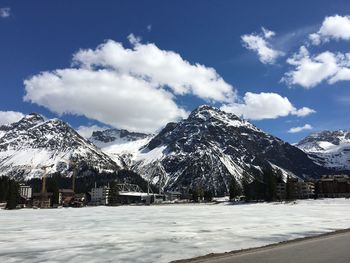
{"points": [[66, 191], [40, 194]]}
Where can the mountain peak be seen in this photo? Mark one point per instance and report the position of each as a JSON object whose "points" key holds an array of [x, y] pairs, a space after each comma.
{"points": [[100, 138], [328, 148], [329, 136], [33, 117], [206, 107], [206, 112], [211, 147]]}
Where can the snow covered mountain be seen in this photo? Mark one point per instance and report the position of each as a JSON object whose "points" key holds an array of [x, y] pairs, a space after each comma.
{"points": [[120, 143], [207, 149], [33, 142], [115, 136], [210, 147], [328, 148]]}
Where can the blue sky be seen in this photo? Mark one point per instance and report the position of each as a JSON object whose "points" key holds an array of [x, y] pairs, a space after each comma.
{"points": [[38, 36]]}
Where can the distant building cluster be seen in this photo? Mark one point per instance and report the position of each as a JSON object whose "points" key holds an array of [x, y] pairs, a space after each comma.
{"points": [[114, 194], [295, 188], [65, 197], [328, 186], [333, 186]]}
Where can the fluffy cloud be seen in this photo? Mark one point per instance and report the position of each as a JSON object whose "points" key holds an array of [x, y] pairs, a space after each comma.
{"points": [[86, 131], [333, 27], [157, 67], [304, 111], [300, 129], [267, 33], [132, 88], [310, 71], [259, 44], [5, 12], [7, 117], [258, 106]]}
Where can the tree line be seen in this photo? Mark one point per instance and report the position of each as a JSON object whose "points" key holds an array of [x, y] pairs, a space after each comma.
{"points": [[9, 192]]}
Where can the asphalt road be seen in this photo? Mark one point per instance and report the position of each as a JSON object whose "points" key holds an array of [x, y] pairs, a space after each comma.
{"points": [[330, 248]]}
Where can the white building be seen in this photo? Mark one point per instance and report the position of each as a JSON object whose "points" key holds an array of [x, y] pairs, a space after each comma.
{"points": [[25, 191], [100, 195]]}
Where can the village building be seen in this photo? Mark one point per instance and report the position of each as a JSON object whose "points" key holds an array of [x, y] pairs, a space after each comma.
{"points": [[25, 191], [333, 186], [173, 195], [79, 200], [99, 195], [281, 191], [65, 196], [130, 194], [41, 200], [295, 188]]}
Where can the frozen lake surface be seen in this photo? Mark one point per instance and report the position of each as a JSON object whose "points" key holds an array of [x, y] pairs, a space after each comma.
{"points": [[160, 233]]}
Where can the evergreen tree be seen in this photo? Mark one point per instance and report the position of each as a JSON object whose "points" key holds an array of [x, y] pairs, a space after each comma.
{"points": [[113, 193], [279, 176], [235, 189], [13, 196], [208, 196], [246, 190], [52, 187], [197, 194], [4, 187], [270, 185], [288, 189]]}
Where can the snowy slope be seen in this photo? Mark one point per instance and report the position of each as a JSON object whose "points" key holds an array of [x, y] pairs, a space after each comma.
{"points": [[210, 148], [120, 144], [33, 142], [328, 148]]}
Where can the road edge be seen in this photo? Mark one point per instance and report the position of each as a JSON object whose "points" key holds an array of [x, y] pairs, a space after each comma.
{"points": [[209, 256]]}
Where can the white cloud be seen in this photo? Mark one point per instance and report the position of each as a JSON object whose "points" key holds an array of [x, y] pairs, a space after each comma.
{"points": [[7, 117], [5, 12], [134, 40], [149, 27], [132, 88], [86, 131], [259, 106], [300, 129], [304, 111], [342, 74], [310, 70], [259, 44], [268, 33], [333, 27]]}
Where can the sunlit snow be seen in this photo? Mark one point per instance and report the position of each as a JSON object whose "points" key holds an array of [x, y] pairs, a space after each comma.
{"points": [[160, 233]]}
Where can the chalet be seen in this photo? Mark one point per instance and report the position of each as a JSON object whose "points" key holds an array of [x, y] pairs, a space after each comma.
{"points": [[65, 196], [333, 186], [41, 200]]}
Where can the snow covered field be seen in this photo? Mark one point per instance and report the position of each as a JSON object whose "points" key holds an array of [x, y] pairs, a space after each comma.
{"points": [[159, 233]]}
